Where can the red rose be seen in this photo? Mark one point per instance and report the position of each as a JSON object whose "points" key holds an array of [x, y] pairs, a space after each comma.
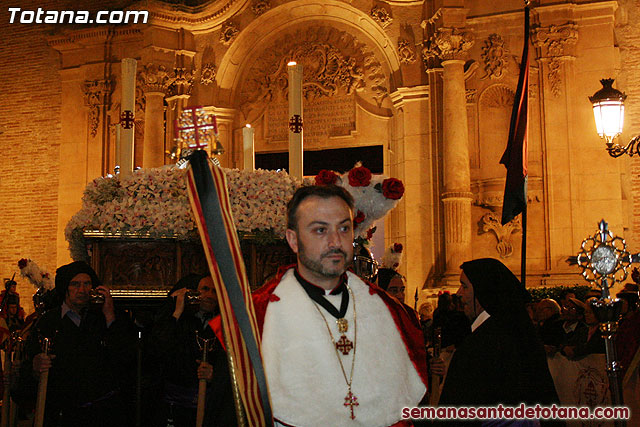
{"points": [[370, 233], [326, 177], [392, 188], [22, 263], [359, 177], [359, 218], [397, 248]]}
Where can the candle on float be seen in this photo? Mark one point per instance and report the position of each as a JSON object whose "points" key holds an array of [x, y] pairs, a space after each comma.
{"points": [[296, 146], [128, 69], [118, 144], [248, 148]]}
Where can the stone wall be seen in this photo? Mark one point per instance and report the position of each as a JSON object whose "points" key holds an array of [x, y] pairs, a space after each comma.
{"points": [[30, 96], [628, 80], [30, 135]]}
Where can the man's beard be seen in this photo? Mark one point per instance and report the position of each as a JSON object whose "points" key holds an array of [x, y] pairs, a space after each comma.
{"points": [[316, 265]]}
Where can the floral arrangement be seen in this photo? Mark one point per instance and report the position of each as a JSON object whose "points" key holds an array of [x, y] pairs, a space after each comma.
{"points": [[374, 195], [38, 277], [154, 202], [392, 256]]}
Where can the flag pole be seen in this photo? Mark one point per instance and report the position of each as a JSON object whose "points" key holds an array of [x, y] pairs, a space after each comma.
{"points": [[523, 249], [515, 157]]}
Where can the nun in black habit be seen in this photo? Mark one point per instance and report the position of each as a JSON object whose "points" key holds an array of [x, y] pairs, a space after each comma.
{"points": [[502, 361]]}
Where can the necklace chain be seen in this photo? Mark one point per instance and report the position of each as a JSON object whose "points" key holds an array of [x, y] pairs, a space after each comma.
{"points": [[355, 339]]}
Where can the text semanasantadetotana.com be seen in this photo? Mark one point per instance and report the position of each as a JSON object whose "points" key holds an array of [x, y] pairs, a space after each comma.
{"points": [[521, 412]]}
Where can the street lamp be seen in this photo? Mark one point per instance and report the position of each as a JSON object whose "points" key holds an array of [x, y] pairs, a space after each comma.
{"points": [[608, 111]]}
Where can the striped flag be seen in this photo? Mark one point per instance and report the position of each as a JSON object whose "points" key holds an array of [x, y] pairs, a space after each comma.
{"points": [[209, 198], [515, 156]]}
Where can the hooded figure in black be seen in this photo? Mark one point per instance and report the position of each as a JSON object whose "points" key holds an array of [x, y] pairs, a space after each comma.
{"points": [[502, 361], [92, 355], [177, 354]]}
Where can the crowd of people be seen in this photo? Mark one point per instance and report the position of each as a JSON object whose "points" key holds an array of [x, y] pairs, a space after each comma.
{"points": [[91, 362]]}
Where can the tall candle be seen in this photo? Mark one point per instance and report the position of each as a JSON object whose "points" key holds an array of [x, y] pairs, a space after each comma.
{"points": [[296, 147], [118, 144], [248, 148], [128, 68]]}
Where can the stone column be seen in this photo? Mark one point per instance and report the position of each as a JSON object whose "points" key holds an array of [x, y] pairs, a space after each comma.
{"points": [[225, 118], [450, 45], [413, 159], [155, 80], [97, 95], [457, 176]]}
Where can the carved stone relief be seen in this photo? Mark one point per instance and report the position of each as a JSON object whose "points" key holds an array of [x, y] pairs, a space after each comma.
{"points": [[381, 15], [490, 222], [336, 66], [448, 43], [155, 78], [493, 57], [498, 96], [406, 52], [182, 82], [470, 95], [96, 93], [554, 43], [334, 62], [228, 33], [260, 6], [141, 102], [208, 74]]}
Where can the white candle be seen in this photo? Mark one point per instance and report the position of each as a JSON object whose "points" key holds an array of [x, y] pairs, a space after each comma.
{"points": [[296, 147], [118, 145], [128, 68], [248, 148]]}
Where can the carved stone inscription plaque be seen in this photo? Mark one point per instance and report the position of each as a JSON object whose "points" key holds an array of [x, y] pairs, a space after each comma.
{"points": [[323, 117]]}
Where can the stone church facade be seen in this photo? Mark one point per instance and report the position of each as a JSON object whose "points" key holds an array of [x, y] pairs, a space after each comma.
{"points": [[432, 82]]}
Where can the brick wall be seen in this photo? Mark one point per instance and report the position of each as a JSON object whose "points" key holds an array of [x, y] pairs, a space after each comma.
{"points": [[30, 136], [30, 116]]}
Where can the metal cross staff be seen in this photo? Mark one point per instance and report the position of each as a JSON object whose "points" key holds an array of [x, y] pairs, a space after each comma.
{"points": [[604, 260]]}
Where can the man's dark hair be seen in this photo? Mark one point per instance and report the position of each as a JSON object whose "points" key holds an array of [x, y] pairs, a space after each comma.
{"points": [[322, 191], [9, 283]]}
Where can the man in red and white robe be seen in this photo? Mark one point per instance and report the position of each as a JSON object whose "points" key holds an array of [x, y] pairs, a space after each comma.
{"points": [[312, 381]]}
